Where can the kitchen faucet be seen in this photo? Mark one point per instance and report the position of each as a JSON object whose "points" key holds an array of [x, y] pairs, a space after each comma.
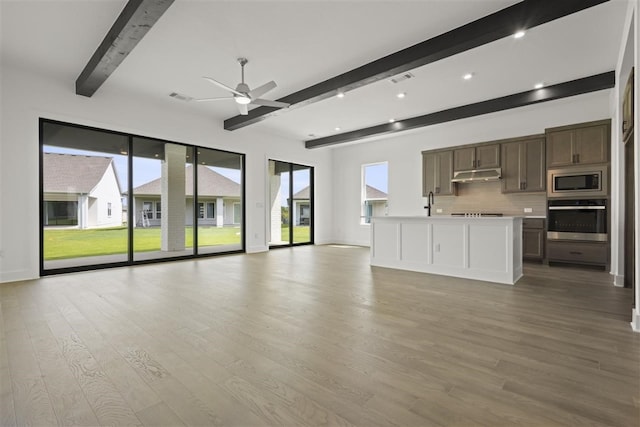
{"points": [[430, 201]]}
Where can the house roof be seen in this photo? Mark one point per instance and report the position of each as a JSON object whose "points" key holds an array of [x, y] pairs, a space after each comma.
{"points": [[302, 194], [372, 194], [210, 183], [71, 173]]}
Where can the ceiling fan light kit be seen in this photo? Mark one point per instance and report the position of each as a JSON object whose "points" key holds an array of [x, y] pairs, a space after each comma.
{"points": [[243, 95]]}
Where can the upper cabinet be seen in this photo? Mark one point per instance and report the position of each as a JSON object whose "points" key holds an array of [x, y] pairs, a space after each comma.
{"points": [[627, 108], [579, 144], [523, 165], [437, 171], [480, 157]]}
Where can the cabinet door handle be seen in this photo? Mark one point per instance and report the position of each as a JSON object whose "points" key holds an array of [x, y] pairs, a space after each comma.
{"points": [[575, 253], [437, 190], [524, 185], [477, 163], [577, 158]]}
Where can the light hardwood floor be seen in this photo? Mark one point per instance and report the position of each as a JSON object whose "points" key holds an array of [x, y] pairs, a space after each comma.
{"points": [[314, 336]]}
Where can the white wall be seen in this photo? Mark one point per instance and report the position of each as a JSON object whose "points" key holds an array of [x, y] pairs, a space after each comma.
{"points": [[28, 95], [108, 191], [403, 152]]}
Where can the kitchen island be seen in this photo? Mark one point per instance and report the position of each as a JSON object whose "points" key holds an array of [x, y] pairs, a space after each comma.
{"points": [[482, 248]]}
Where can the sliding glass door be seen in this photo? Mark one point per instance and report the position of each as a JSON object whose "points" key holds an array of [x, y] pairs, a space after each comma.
{"points": [[109, 198], [291, 204], [220, 200], [161, 176], [84, 174]]}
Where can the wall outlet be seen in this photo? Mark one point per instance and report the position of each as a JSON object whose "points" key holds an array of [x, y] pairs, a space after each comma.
{"points": [[528, 210], [439, 210]]}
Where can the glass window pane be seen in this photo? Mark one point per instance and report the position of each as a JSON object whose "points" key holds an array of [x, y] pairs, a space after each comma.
{"points": [[219, 201], [84, 175], [279, 181], [161, 183], [291, 201], [374, 191], [301, 206]]}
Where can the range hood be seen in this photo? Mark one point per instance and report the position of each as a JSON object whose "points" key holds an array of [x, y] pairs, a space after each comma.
{"points": [[477, 175]]}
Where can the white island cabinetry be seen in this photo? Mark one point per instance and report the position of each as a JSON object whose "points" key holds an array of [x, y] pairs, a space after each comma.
{"points": [[482, 248]]}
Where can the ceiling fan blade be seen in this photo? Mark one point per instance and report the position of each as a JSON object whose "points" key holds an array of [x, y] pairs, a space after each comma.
{"points": [[261, 90], [222, 85], [243, 108], [213, 99], [268, 103]]}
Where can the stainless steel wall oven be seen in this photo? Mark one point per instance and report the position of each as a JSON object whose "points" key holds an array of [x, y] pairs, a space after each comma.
{"points": [[581, 219]]}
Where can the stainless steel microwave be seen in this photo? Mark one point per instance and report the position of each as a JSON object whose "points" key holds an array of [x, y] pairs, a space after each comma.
{"points": [[578, 181]]}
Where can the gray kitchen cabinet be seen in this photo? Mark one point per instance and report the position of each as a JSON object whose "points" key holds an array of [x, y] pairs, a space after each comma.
{"points": [[523, 166], [533, 239], [591, 253], [479, 157], [578, 144], [437, 171]]}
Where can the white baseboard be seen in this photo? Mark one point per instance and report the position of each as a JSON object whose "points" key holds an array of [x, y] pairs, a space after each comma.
{"points": [[16, 276], [256, 249], [618, 280], [635, 320], [350, 243]]}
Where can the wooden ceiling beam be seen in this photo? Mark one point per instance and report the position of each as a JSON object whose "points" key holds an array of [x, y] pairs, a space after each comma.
{"points": [[550, 93], [523, 15], [135, 20]]}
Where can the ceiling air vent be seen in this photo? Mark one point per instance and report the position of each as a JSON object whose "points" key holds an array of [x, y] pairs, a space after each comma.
{"points": [[180, 96], [401, 77]]}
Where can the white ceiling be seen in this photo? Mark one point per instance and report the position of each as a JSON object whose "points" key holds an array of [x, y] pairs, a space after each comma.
{"points": [[301, 43]]}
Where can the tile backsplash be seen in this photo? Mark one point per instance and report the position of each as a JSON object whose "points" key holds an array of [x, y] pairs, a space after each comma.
{"points": [[487, 197]]}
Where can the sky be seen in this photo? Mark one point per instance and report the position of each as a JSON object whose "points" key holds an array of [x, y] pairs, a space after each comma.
{"points": [[144, 170], [377, 176]]}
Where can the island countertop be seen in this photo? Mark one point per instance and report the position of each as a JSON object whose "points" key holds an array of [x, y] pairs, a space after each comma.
{"points": [[457, 217], [483, 248]]}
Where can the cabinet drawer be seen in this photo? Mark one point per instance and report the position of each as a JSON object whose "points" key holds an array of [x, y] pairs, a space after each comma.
{"points": [[578, 252], [533, 223]]}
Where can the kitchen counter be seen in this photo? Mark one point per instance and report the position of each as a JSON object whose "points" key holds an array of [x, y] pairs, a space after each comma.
{"points": [[482, 248]]}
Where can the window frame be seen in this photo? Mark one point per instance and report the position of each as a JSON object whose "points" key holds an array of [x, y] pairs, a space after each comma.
{"points": [[131, 214], [366, 205]]}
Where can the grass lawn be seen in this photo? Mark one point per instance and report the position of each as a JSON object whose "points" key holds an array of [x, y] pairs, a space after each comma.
{"points": [[300, 234], [73, 243]]}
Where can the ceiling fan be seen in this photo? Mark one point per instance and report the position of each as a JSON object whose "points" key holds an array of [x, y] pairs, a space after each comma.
{"points": [[243, 95]]}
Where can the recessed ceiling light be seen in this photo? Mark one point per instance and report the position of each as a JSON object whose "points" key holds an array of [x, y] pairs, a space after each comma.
{"points": [[519, 34], [401, 95], [539, 85], [337, 128], [392, 120], [467, 76], [340, 95], [123, 152], [158, 155]]}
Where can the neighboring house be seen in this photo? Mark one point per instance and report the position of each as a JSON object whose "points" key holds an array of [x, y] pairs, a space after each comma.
{"points": [[219, 200], [81, 191], [375, 203], [301, 214]]}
